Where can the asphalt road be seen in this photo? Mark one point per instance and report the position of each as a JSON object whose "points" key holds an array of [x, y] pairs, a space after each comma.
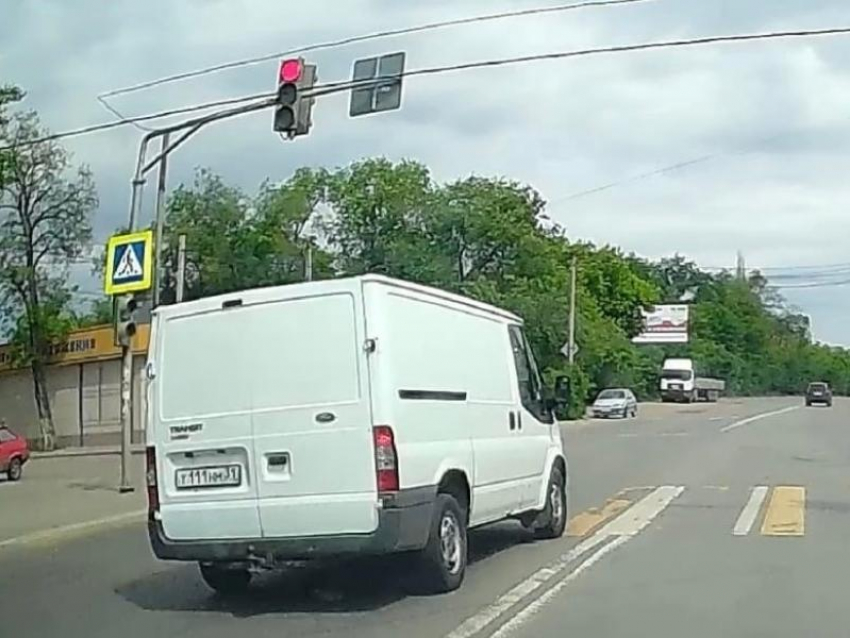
{"points": [[705, 520]]}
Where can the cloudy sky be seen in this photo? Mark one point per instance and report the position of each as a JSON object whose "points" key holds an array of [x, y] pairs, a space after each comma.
{"points": [[773, 118]]}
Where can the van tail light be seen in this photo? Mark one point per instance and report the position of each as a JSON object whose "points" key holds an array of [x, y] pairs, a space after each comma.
{"points": [[151, 481], [386, 459]]}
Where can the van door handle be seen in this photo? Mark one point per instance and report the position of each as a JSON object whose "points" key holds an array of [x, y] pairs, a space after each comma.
{"points": [[512, 421], [519, 420]]}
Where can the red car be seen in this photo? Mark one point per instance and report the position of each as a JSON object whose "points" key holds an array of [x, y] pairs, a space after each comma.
{"points": [[14, 452]]}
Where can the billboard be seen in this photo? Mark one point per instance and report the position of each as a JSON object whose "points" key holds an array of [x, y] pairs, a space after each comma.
{"points": [[664, 324]]}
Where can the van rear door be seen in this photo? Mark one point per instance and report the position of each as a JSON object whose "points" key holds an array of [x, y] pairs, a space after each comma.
{"points": [[311, 412], [200, 423]]}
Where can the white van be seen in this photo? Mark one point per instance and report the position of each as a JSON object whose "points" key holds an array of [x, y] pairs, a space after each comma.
{"points": [[362, 415]]}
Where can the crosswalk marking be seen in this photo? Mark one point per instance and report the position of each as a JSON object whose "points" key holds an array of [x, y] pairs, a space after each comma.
{"points": [[750, 511], [785, 515]]}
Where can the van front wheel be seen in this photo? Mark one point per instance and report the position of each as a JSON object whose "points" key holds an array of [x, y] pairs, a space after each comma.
{"points": [[555, 514], [443, 560], [225, 580]]}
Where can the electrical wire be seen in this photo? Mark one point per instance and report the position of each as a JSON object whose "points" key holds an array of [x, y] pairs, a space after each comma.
{"points": [[121, 116], [557, 55], [824, 284], [635, 178], [363, 38], [795, 276], [838, 268]]}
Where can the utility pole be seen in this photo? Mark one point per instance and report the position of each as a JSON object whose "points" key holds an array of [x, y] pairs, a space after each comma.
{"points": [[741, 267], [160, 221], [308, 262], [572, 335], [180, 276]]}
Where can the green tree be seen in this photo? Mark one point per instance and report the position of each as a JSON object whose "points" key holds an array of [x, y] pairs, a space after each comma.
{"points": [[489, 239], [234, 242], [45, 208]]}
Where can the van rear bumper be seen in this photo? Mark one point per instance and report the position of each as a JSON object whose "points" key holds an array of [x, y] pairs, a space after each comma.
{"points": [[404, 522]]}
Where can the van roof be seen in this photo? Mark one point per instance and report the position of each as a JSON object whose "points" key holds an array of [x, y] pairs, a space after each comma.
{"points": [[254, 295]]}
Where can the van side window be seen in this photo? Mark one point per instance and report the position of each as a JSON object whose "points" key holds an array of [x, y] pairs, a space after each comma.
{"points": [[530, 385]]}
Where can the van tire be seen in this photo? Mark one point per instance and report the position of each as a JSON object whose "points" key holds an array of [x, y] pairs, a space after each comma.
{"points": [[442, 563], [555, 513], [224, 580]]}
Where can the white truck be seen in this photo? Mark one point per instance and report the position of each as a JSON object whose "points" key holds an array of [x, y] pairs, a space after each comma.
{"points": [[354, 416], [680, 383]]}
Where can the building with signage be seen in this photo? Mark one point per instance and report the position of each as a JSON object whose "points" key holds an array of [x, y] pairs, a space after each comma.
{"points": [[83, 379]]}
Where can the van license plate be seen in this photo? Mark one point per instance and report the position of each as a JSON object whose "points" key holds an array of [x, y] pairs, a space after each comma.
{"points": [[214, 476]]}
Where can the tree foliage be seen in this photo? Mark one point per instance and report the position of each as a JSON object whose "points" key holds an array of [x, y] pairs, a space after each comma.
{"points": [[490, 239], [45, 206]]}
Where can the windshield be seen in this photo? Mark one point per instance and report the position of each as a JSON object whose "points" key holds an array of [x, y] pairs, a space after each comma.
{"points": [[612, 394], [682, 375], [817, 387]]}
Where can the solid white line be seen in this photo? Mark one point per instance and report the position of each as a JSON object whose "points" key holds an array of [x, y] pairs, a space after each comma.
{"points": [[476, 623], [758, 417], [57, 533], [750, 512], [628, 524], [536, 605]]}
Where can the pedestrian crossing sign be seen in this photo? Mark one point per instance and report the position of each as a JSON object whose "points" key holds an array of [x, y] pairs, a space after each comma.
{"points": [[129, 263]]}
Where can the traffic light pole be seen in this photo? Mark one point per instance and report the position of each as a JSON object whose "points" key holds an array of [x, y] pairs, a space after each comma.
{"points": [[189, 127], [126, 417], [160, 217]]}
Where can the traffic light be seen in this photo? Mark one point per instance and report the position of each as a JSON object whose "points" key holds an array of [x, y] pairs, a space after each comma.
{"points": [[125, 319], [293, 110]]}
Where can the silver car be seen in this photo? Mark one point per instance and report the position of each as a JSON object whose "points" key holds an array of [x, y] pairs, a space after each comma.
{"points": [[619, 402]]}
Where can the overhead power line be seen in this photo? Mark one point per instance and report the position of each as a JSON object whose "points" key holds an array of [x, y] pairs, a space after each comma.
{"points": [[837, 268], [177, 77], [635, 178], [808, 275], [822, 284], [465, 66]]}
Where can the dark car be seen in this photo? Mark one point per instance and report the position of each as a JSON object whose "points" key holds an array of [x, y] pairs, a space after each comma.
{"points": [[819, 392], [14, 452]]}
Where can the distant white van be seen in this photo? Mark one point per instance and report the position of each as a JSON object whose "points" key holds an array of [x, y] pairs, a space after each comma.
{"points": [[361, 415]]}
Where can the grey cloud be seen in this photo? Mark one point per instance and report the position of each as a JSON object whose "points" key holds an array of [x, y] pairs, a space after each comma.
{"points": [[774, 113]]}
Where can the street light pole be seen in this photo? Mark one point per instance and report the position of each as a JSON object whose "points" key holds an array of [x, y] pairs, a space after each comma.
{"points": [[160, 221], [572, 335]]}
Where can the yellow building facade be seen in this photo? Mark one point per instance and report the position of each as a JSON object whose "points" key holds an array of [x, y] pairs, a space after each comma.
{"points": [[83, 379]]}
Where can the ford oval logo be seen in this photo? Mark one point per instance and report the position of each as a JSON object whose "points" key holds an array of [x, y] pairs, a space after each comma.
{"points": [[325, 417]]}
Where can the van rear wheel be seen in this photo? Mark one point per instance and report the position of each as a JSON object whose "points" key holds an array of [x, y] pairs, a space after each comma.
{"points": [[443, 560], [224, 579]]}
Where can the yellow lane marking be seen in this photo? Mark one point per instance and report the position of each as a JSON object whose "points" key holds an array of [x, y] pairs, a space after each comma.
{"points": [[582, 524], [785, 515]]}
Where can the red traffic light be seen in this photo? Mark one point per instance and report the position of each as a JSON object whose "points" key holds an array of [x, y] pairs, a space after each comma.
{"points": [[291, 70]]}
